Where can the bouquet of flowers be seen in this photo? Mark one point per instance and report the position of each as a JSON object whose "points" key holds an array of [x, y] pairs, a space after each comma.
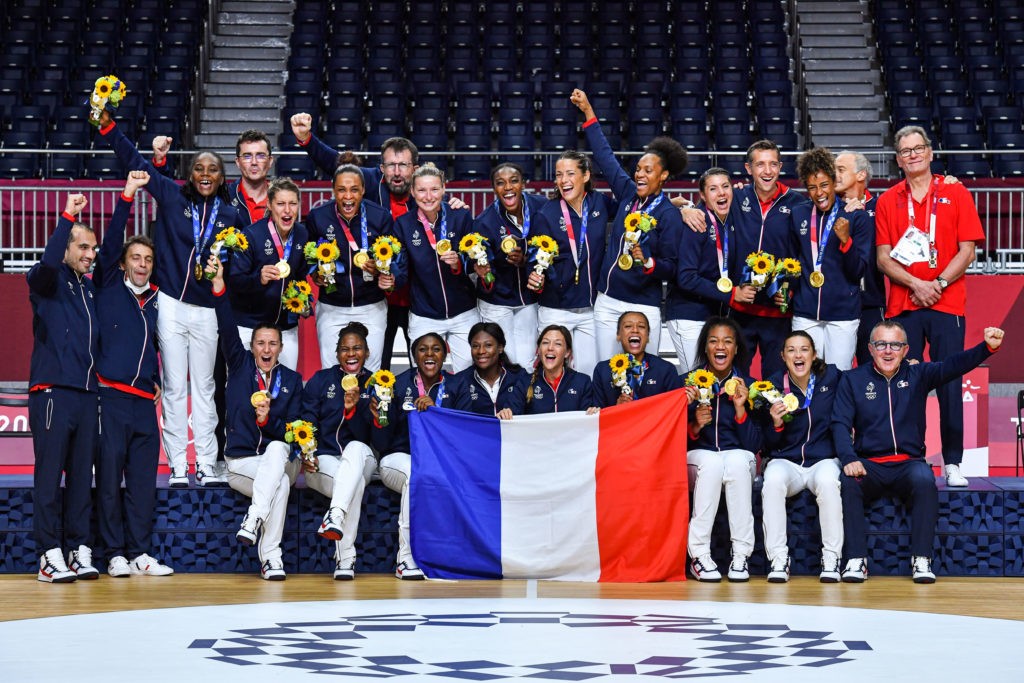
{"points": [[106, 95], [300, 434], [786, 269], [543, 251], [705, 383], [383, 383], [764, 393], [622, 364], [386, 250], [231, 238], [473, 245], [325, 255], [637, 225], [297, 298], [760, 266]]}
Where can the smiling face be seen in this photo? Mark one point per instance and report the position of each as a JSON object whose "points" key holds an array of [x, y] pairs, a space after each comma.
{"points": [[266, 347], [508, 188], [348, 193], [429, 357], [485, 350], [888, 359], [649, 175], [138, 264], [717, 195], [919, 155], [254, 161], [207, 175], [821, 190], [397, 168], [633, 334], [847, 178], [798, 354], [284, 209], [721, 349], [428, 191], [764, 168], [81, 250], [553, 350], [570, 180], [352, 353]]}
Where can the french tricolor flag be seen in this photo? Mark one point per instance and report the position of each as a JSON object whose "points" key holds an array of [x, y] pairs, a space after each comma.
{"points": [[564, 496]]}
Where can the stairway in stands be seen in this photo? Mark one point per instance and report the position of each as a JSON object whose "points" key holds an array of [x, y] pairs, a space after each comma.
{"points": [[247, 71], [845, 102]]}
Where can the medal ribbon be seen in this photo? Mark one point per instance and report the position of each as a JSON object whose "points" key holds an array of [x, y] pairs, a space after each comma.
{"points": [[807, 396], [931, 217], [818, 252], [636, 376], [577, 254], [362, 227], [721, 244], [199, 237], [263, 385], [430, 229], [526, 215], [283, 252], [653, 205], [424, 392]]}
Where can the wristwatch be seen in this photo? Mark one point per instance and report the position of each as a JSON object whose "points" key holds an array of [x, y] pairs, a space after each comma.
{"points": [[942, 282]]}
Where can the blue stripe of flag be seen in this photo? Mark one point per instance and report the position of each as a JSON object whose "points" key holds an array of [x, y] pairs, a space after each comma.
{"points": [[454, 494]]}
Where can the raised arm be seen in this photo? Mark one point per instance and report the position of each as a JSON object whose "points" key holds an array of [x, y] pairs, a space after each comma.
{"points": [[623, 187], [113, 237], [42, 278], [161, 146], [230, 343], [128, 154], [938, 373], [324, 156]]}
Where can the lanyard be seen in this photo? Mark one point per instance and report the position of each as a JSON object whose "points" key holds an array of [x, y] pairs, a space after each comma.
{"points": [[430, 228], [426, 392], [282, 252], [362, 228], [526, 215], [650, 209], [577, 254], [807, 396], [721, 244], [818, 252], [199, 237], [932, 253], [263, 385], [636, 377]]}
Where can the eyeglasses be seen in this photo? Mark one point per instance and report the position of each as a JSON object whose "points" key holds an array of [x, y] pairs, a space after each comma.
{"points": [[351, 349], [396, 165], [261, 157], [882, 345], [910, 151]]}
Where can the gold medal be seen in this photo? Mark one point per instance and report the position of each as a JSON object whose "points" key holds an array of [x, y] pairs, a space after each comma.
{"points": [[258, 398], [443, 247], [730, 385], [198, 272], [283, 269], [817, 278], [791, 402], [349, 382], [359, 259], [724, 285], [625, 261], [508, 245]]}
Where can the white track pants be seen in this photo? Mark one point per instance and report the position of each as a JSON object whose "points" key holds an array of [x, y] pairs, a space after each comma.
{"points": [[709, 472], [266, 479], [343, 479], [394, 472], [784, 478], [684, 335]]}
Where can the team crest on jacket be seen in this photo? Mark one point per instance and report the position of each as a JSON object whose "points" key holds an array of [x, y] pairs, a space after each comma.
{"points": [[823, 389], [234, 202], [803, 228], [783, 209], [188, 212], [746, 204], [902, 384], [268, 248], [416, 241], [330, 391], [595, 214], [561, 224], [538, 393], [869, 391], [573, 392]]}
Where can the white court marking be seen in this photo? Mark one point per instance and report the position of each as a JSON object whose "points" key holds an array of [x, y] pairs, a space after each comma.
{"points": [[497, 639]]}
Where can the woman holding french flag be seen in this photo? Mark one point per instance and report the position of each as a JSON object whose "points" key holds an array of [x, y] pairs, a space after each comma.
{"points": [[554, 387], [494, 385]]}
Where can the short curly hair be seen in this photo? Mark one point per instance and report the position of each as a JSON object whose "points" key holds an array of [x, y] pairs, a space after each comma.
{"points": [[817, 160]]}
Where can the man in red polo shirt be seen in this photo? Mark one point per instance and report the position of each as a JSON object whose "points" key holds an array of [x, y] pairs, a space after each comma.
{"points": [[926, 232]]}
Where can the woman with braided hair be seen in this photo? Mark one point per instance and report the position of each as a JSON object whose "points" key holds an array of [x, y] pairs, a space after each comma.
{"points": [[555, 387]]}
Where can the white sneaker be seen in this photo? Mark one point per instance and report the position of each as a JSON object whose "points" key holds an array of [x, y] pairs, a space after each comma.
{"points": [[408, 571], [738, 570], [705, 569], [272, 570], [345, 570], [249, 530], [209, 475], [856, 570], [330, 528], [53, 569], [954, 476], [829, 568], [80, 562], [780, 570], [923, 566], [146, 565], [118, 567], [178, 478]]}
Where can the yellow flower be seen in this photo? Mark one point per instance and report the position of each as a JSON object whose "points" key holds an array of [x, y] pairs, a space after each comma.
{"points": [[328, 251], [303, 433], [303, 287], [382, 251], [763, 386], [103, 87], [384, 378], [469, 241], [701, 378], [294, 304], [243, 242], [619, 363], [396, 246], [632, 221], [547, 244], [792, 266]]}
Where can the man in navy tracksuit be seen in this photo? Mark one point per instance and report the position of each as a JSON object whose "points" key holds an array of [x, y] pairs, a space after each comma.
{"points": [[129, 375], [884, 405], [762, 215], [63, 403]]}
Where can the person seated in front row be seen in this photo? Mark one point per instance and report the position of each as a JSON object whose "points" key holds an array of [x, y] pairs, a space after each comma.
{"points": [[883, 404], [800, 455], [263, 396], [417, 388], [720, 451], [648, 375], [493, 385], [554, 386], [337, 404]]}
